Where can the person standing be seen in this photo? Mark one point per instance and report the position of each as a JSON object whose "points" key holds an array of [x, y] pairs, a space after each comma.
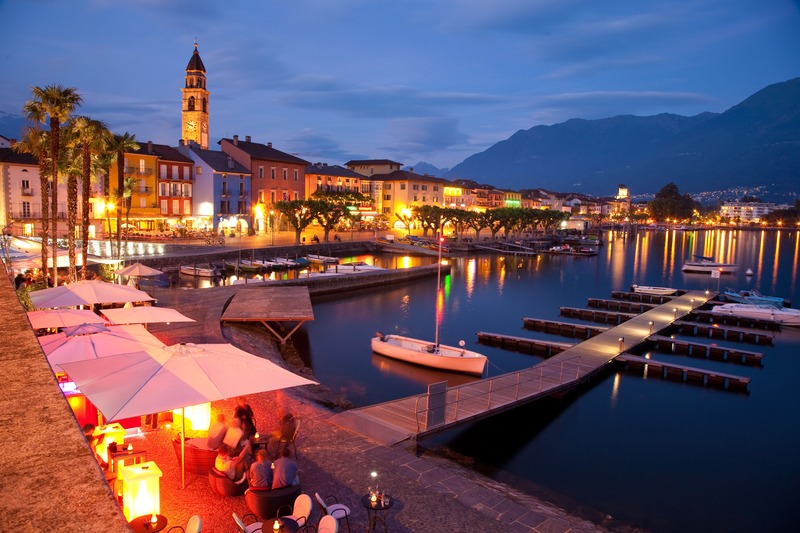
{"points": [[245, 415]]}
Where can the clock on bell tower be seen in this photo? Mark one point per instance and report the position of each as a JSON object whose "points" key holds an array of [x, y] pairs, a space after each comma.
{"points": [[194, 111]]}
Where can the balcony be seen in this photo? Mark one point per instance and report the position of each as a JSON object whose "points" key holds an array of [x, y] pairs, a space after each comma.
{"points": [[25, 215], [27, 191], [138, 171]]}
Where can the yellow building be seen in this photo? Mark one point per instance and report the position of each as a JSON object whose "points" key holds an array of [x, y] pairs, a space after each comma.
{"points": [[143, 202], [404, 190], [370, 167]]}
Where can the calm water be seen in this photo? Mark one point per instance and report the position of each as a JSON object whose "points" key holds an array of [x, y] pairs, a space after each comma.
{"points": [[658, 454]]}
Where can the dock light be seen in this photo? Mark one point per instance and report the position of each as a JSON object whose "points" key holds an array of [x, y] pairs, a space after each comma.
{"points": [[692, 301], [652, 326], [674, 312], [621, 343]]}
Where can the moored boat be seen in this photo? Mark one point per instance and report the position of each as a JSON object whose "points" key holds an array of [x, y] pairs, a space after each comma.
{"points": [[243, 266], [200, 271], [785, 316], [657, 291], [752, 297], [322, 259], [708, 265], [420, 352]]}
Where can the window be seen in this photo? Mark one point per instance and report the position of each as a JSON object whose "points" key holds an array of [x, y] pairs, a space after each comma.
{"points": [[176, 205], [26, 209], [272, 172], [261, 196], [296, 174], [176, 172], [415, 197], [190, 103], [224, 207], [387, 186], [424, 187], [435, 188], [285, 174], [423, 199], [387, 197], [162, 189], [261, 172], [402, 186], [198, 171], [187, 192], [272, 196], [141, 166], [224, 188], [296, 195], [241, 188], [162, 171], [387, 210], [436, 199], [164, 206], [26, 184], [415, 187], [242, 207], [175, 190]]}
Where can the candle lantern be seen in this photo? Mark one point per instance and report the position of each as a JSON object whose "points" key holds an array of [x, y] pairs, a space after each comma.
{"points": [[141, 490]]}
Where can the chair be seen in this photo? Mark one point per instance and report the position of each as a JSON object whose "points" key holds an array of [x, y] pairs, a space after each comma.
{"points": [[285, 441], [195, 525], [327, 524], [223, 485], [301, 511], [335, 509], [251, 528]]}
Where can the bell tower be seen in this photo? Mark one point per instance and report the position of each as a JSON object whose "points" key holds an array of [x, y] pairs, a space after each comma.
{"points": [[194, 110]]}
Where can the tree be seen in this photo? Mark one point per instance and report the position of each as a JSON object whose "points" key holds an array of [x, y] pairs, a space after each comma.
{"points": [[406, 217], [298, 214], [429, 216], [71, 168], [127, 194], [328, 214], [119, 145], [35, 141], [92, 136], [53, 104], [670, 203], [478, 221]]}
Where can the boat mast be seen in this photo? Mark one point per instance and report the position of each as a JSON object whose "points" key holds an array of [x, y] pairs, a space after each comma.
{"points": [[439, 240]]}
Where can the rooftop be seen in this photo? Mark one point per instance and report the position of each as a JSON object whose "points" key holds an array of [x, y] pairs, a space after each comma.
{"points": [[332, 170], [220, 161], [9, 155], [405, 175], [372, 162], [263, 151], [162, 151], [195, 63]]}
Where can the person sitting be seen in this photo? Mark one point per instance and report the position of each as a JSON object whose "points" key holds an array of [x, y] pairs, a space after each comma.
{"points": [[285, 471], [286, 430], [261, 471], [246, 416], [88, 433], [216, 432], [228, 464]]}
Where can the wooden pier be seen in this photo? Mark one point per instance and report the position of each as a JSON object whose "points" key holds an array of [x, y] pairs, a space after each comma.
{"points": [[606, 317], [624, 306], [565, 329], [523, 344], [707, 351], [753, 323], [713, 331], [642, 297], [508, 248], [688, 374], [444, 408]]}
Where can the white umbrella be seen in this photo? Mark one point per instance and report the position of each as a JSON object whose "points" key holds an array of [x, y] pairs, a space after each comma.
{"points": [[87, 293], [138, 270], [62, 318], [84, 344], [146, 314], [134, 384]]}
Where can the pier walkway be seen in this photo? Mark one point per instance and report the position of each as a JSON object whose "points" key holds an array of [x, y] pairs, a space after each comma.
{"points": [[421, 415]]}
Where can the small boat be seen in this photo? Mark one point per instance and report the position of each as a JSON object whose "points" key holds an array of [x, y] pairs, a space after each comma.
{"points": [[752, 297], [708, 265], [243, 266], [566, 249], [200, 271], [749, 272], [656, 291], [782, 315], [420, 352], [263, 265], [322, 259]]}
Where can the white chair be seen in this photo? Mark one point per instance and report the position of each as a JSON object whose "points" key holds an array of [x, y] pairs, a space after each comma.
{"points": [[335, 509], [252, 528], [328, 524], [301, 511], [195, 525]]}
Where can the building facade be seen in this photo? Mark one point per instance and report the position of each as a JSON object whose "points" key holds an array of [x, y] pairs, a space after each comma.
{"points": [[195, 106], [369, 167], [403, 190], [748, 211]]}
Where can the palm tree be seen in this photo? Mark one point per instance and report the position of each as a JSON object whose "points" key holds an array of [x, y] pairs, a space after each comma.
{"points": [[35, 141], [70, 166], [119, 145], [53, 104], [127, 194], [93, 137]]}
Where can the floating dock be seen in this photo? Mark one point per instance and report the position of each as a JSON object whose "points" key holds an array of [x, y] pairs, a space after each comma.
{"points": [[688, 374], [523, 344], [714, 331], [591, 315], [565, 329], [707, 351], [624, 306]]}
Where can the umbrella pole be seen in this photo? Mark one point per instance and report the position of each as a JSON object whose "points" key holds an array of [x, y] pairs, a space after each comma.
{"points": [[183, 449]]}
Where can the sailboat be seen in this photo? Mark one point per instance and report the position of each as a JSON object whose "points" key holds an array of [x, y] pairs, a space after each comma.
{"points": [[431, 354]]}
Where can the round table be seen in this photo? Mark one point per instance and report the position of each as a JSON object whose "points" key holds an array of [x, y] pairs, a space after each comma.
{"points": [[142, 524], [376, 511], [288, 525]]}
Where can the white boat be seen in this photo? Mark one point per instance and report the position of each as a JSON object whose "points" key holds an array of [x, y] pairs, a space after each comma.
{"points": [[200, 271], [707, 265], [785, 315], [420, 352], [752, 296], [322, 259], [656, 291], [349, 268], [431, 354]]}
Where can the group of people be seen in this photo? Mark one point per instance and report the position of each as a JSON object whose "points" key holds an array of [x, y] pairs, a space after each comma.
{"points": [[239, 452]]}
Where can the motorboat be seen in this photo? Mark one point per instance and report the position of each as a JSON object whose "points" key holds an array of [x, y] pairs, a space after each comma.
{"points": [[752, 297], [708, 265], [431, 354], [200, 271], [352, 267], [782, 315], [656, 291], [566, 249], [425, 353], [322, 259]]}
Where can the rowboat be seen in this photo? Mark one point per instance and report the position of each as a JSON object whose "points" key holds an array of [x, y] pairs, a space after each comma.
{"points": [[200, 271], [752, 297], [656, 291], [782, 315], [420, 352]]}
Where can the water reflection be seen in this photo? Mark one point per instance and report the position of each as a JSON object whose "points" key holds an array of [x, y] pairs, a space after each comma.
{"points": [[417, 374]]}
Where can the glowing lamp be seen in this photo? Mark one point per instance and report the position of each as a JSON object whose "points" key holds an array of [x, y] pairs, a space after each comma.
{"points": [[276, 526], [141, 490], [111, 433], [196, 416]]}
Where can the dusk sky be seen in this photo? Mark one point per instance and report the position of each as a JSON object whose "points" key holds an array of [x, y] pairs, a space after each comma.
{"points": [[431, 80]]}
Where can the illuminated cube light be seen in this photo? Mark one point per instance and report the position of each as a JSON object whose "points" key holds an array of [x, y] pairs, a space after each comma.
{"points": [[141, 490], [198, 417], [112, 433]]}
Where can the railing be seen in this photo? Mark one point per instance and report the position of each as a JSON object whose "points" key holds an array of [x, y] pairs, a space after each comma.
{"points": [[20, 215], [568, 371], [138, 170], [27, 191]]}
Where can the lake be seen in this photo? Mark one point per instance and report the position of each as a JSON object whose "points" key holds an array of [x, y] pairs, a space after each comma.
{"points": [[657, 454]]}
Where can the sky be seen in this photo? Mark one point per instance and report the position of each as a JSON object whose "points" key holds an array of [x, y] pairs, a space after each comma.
{"points": [[408, 80]]}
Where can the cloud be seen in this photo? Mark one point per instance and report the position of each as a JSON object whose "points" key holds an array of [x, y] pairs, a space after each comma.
{"points": [[314, 146], [426, 135]]}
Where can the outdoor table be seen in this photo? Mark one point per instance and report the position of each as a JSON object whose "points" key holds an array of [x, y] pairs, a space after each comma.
{"points": [[142, 524], [125, 457], [376, 511], [287, 525], [111, 433]]}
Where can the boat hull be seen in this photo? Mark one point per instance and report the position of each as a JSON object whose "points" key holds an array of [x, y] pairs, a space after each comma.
{"points": [[199, 272], [656, 291], [417, 352], [787, 317], [708, 267]]}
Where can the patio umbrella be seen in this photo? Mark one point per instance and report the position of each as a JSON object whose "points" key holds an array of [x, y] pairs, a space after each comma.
{"points": [[62, 318], [147, 314], [155, 380], [87, 293], [88, 342], [138, 270]]}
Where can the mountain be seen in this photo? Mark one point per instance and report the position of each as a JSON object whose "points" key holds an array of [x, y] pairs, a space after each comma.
{"points": [[754, 142], [11, 126], [426, 168]]}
